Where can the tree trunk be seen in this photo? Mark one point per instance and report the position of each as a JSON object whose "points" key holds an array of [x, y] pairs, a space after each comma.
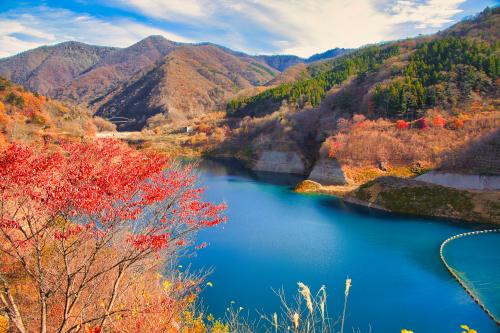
{"points": [[113, 296], [13, 313], [43, 313]]}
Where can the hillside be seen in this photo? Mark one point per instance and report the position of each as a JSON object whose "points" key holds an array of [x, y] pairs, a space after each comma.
{"points": [[283, 62], [142, 80], [48, 68], [191, 80], [30, 117], [115, 69], [416, 103]]}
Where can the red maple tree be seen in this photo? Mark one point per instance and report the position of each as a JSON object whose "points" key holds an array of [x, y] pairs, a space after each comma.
{"points": [[62, 209], [402, 124]]}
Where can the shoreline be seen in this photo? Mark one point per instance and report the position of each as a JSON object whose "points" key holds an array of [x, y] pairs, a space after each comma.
{"points": [[359, 195]]}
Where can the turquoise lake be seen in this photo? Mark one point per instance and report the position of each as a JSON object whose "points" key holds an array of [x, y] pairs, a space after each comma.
{"points": [[275, 238], [461, 255]]}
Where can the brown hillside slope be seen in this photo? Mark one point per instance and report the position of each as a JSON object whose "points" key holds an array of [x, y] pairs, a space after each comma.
{"points": [[191, 80], [114, 69], [47, 68]]}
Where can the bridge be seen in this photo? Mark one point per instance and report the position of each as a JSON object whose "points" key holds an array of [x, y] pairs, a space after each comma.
{"points": [[118, 120]]}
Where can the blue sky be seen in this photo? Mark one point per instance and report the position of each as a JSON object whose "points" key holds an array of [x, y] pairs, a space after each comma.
{"points": [[301, 27]]}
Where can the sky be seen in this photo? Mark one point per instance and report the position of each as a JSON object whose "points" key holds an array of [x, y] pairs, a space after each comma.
{"points": [[299, 27]]}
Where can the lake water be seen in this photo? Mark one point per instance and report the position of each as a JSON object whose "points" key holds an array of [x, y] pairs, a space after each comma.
{"points": [[275, 238]]}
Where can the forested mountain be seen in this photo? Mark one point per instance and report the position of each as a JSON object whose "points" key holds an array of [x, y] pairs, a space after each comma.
{"points": [[197, 78], [48, 68], [142, 80], [323, 77], [441, 73], [191, 80], [114, 69], [415, 74], [283, 62], [397, 80], [327, 54]]}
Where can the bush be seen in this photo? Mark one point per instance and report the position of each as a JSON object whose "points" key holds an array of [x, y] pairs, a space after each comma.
{"points": [[401, 124], [422, 123], [438, 121], [103, 125], [14, 99]]}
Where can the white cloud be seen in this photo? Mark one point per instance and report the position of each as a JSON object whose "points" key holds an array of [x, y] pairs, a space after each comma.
{"points": [[20, 31], [311, 26], [175, 10], [300, 27], [432, 13]]}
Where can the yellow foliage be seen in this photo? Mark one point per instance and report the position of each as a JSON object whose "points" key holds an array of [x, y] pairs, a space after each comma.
{"points": [[220, 327], [4, 324], [166, 285]]}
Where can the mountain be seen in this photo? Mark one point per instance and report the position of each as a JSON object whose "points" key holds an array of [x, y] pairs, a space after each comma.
{"points": [[327, 54], [394, 77], [47, 68], [283, 62], [114, 69], [140, 80], [191, 80], [155, 75]]}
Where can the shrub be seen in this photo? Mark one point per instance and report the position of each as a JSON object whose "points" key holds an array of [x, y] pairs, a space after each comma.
{"points": [[402, 124], [14, 99], [422, 123], [103, 125], [357, 118], [333, 147], [438, 121], [204, 128], [457, 123], [380, 141]]}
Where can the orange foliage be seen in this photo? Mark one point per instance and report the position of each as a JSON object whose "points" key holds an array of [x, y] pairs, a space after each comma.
{"points": [[457, 123], [476, 106], [401, 124], [89, 329], [333, 147], [438, 121], [32, 104], [34, 117], [198, 138], [204, 128]]}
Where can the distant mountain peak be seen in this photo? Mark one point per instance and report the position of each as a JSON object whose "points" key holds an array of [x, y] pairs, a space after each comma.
{"points": [[327, 54]]}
